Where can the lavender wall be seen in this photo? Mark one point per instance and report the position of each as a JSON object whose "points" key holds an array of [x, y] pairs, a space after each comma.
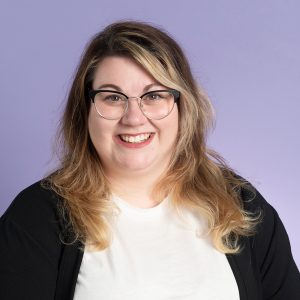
{"points": [[245, 54]]}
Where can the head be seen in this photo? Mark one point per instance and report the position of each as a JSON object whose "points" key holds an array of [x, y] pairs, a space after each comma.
{"points": [[162, 59], [194, 176]]}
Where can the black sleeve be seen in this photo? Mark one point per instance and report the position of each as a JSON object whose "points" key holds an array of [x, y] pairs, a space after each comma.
{"points": [[278, 272], [29, 247]]}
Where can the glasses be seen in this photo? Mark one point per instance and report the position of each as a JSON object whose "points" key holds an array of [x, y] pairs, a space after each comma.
{"points": [[113, 105]]}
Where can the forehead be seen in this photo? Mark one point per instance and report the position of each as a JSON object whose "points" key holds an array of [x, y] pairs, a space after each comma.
{"points": [[121, 71]]}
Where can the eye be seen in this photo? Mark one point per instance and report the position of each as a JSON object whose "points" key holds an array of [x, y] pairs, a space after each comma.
{"points": [[110, 98], [113, 98], [154, 96]]}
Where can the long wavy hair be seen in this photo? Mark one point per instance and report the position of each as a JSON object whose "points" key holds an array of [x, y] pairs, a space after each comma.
{"points": [[197, 178]]}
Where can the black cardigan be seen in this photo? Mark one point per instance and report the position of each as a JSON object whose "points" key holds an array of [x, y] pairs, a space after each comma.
{"points": [[36, 265]]}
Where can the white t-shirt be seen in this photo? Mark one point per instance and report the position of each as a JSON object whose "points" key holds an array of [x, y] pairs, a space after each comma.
{"points": [[155, 255]]}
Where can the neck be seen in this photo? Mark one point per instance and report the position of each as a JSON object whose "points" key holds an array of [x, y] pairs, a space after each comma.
{"points": [[135, 187]]}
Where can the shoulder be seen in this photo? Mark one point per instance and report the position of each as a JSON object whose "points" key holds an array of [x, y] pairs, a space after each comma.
{"points": [[31, 248], [270, 249], [268, 219], [269, 224], [34, 213], [255, 204], [33, 202]]}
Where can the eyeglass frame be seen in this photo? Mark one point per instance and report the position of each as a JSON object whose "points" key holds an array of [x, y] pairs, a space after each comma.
{"points": [[93, 93]]}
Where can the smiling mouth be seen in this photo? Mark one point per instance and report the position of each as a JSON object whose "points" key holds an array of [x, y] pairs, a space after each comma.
{"points": [[137, 139]]}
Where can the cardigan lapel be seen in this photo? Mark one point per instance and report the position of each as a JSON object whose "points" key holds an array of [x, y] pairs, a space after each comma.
{"points": [[245, 271], [71, 259]]}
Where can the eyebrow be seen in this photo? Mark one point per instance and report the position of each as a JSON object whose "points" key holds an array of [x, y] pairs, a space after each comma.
{"points": [[117, 88], [109, 85], [149, 86]]}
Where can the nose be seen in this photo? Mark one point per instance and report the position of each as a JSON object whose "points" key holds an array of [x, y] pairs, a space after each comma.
{"points": [[133, 116]]}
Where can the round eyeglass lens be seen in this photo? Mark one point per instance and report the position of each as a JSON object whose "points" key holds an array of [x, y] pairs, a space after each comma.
{"points": [[157, 104], [110, 105]]}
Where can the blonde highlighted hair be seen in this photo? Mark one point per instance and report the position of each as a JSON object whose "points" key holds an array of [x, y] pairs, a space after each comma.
{"points": [[197, 177]]}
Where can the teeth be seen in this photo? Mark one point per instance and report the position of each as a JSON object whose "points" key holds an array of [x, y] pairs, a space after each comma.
{"points": [[135, 139]]}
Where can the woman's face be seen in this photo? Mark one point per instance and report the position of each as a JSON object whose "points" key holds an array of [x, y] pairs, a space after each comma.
{"points": [[118, 141]]}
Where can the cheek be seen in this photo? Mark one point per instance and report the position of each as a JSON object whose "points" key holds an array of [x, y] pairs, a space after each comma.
{"points": [[173, 123], [169, 128], [99, 131], [94, 129]]}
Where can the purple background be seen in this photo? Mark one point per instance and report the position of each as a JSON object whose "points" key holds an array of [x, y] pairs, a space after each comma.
{"points": [[245, 53]]}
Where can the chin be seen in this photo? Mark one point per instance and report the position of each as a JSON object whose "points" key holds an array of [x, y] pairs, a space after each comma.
{"points": [[136, 167], [135, 164]]}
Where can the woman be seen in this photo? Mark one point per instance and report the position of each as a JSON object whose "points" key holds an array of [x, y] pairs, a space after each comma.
{"points": [[139, 207]]}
